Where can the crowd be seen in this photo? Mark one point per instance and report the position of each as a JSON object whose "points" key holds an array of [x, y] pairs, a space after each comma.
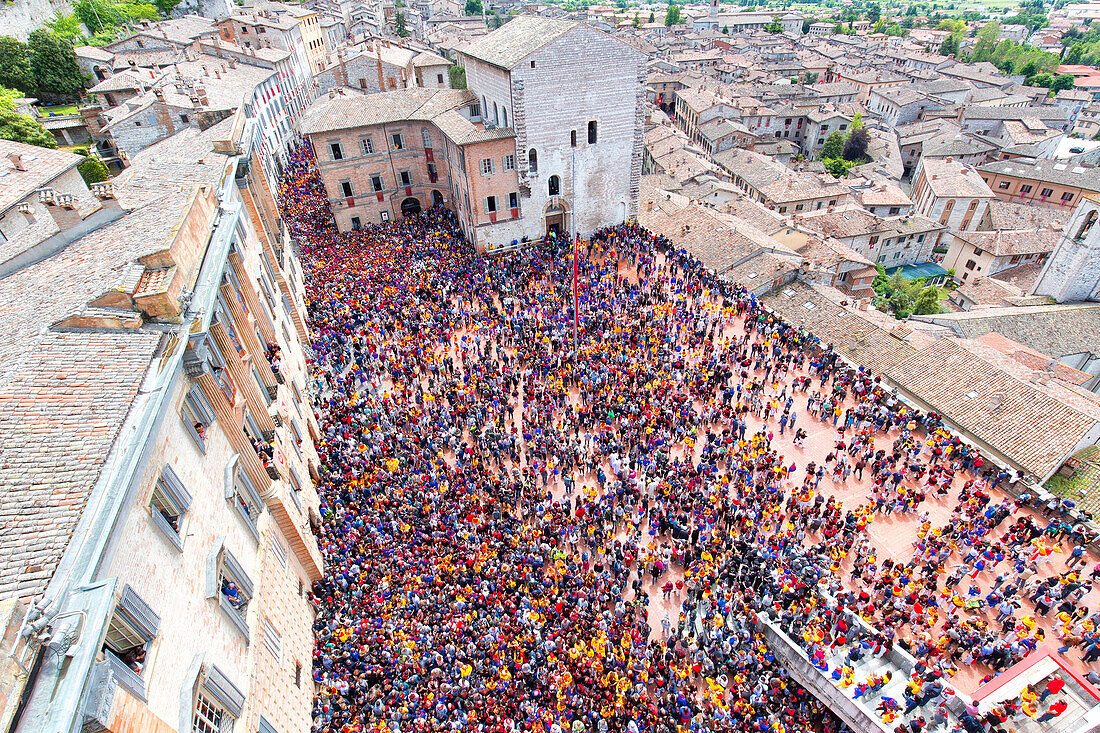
{"points": [[508, 514]]}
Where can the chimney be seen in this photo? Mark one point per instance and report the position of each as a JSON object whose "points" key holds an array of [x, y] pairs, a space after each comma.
{"points": [[27, 210], [17, 161], [201, 93], [159, 94], [232, 62], [133, 64], [62, 207], [217, 74]]}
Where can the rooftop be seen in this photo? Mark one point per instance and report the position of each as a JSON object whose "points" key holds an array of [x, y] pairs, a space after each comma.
{"points": [[517, 39], [950, 178], [346, 112], [42, 166], [64, 393], [985, 391], [1047, 171]]}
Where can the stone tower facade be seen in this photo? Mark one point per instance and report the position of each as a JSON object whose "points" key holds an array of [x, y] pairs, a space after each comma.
{"points": [[1072, 272]]}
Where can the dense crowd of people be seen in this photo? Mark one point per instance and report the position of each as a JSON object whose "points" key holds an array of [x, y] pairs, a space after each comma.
{"points": [[507, 513]]}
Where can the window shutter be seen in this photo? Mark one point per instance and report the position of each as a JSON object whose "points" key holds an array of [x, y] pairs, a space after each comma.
{"points": [[225, 692], [175, 488], [198, 399], [272, 640], [212, 568], [138, 613], [265, 727], [278, 550]]}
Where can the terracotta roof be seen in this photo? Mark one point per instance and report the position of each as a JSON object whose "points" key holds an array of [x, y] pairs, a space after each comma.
{"points": [[1022, 422], [950, 178], [345, 112], [858, 337]]}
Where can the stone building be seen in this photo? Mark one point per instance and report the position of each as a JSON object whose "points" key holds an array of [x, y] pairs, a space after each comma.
{"points": [[951, 193], [158, 454], [1072, 271], [510, 160]]}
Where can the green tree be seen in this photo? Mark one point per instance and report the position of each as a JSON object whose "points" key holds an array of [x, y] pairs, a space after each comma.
{"points": [[855, 147], [53, 63], [166, 6], [953, 25], [834, 145], [66, 27], [1074, 54], [950, 46], [458, 77], [1040, 80], [726, 30], [673, 15], [1062, 81], [24, 129], [15, 66], [986, 42], [810, 78], [874, 12], [652, 17], [97, 15], [473, 7], [399, 24], [92, 170]]}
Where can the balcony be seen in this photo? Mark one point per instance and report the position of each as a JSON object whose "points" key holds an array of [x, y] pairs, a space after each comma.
{"points": [[265, 451]]}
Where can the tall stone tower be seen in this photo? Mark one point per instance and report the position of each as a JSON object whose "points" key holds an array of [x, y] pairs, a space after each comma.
{"points": [[1072, 272]]}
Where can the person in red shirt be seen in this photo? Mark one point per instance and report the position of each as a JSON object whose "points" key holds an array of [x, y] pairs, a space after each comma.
{"points": [[1054, 686], [1054, 711]]}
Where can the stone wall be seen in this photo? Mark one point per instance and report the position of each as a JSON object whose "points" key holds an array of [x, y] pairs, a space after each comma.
{"points": [[21, 17]]}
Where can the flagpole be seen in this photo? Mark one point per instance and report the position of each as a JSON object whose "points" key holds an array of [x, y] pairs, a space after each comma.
{"points": [[576, 242]]}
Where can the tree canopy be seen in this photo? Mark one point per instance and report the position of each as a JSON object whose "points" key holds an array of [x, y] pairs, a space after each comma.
{"points": [[673, 16], [54, 66], [19, 127]]}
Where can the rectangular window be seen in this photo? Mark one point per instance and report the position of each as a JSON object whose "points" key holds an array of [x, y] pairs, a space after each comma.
{"points": [[513, 201], [168, 505], [1003, 185], [874, 240], [426, 137], [406, 178], [398, 141], [573, 138], [798, 207], [336, 151], [894, 210], [356, 223], [433, 174], [487, 166], [1046, 192], [439, 79], [218, 703], [366, 145], [970, 264], [345, 189], [197, 416], [1067, 197], [376, 182], [234, 589], [245, 498], [509, 162], [591, 132], [897, 255], [1026, 188], [491, 204], [133, 625]]}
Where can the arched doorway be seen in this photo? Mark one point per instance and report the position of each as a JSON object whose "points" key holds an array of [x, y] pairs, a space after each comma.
{"points": [[410, 206], [437, 198], [556, 215]]}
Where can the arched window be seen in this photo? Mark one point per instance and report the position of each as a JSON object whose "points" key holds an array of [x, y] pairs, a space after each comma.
{"points": [[427, 136], [554, 185], [947, 211], [1087, 226], [532, 161]]}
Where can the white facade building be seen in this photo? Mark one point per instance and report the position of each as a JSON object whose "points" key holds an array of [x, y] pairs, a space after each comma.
{"points": [[576, 100]]}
